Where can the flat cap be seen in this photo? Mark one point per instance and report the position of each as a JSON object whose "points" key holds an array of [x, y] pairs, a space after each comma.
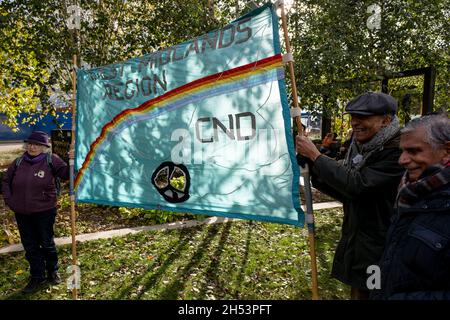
{"points": [[372, 103]]}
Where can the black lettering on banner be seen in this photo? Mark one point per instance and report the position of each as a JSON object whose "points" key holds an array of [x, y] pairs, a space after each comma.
{"points": [[222, 36], [229, 132], [121, 66], [130, 95], [162, 84], [116, 92], [233, 33], [212, 42], [147, 61], [197, 130], [154, 83], [166, 53], [238, 125], [217, 123], [247, 30], [174, 54], [108, 92], [108, 73], [192, 47], [146, 83]]}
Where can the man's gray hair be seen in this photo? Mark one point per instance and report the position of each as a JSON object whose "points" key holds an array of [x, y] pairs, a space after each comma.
{"points": [[437, 128]]}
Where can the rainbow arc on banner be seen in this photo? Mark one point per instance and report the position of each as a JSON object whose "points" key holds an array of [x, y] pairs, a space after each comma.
{"points": [[200, 87]]}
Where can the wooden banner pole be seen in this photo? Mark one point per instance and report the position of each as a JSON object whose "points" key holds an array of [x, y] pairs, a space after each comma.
{"points": [[305, 171], [75, 274]]}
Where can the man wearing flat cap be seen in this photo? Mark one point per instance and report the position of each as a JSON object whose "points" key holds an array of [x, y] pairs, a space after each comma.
{"points": [[365, 182]]}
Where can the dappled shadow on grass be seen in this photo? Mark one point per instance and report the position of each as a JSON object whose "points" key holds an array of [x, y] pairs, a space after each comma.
{"points": [[240, 276], [213, 269], [150, 279], [172, 291]]}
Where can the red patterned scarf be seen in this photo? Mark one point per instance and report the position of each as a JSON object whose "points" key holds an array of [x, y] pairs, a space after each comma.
{"points": [[432, 179]]}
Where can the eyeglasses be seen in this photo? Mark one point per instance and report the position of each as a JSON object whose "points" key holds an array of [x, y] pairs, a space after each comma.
{"points": [[30, 144]]}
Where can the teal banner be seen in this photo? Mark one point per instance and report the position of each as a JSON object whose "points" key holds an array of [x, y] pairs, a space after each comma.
{"points": [[201, 127]]}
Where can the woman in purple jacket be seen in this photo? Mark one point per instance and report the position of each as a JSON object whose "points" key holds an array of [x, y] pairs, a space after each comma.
{"points": [[29, 189]]}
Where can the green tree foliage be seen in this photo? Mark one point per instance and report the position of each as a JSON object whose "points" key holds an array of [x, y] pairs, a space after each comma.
{"points": [[338, 56], [30, 62]]}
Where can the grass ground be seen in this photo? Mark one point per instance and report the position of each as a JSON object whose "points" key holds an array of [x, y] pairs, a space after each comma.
{"points": [[234, 260]]}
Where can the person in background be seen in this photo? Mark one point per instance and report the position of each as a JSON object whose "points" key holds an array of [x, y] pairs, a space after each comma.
{"points": [[326, 142], [29, 190], [330, 145], [365, 182], [416, 261]]}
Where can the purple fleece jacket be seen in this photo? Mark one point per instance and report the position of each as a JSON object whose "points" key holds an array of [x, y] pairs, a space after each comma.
{"points": [[33, 188]]}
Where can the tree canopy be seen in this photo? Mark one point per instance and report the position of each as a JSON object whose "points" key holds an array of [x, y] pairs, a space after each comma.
{"points": [[340, 47]]}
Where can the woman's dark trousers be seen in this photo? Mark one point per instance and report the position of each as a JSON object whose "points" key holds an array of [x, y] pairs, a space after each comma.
{"points": [[36, 233]]}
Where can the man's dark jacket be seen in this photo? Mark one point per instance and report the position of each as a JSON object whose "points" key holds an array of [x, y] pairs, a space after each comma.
{"points": [[416, 262], [368, 196]]}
